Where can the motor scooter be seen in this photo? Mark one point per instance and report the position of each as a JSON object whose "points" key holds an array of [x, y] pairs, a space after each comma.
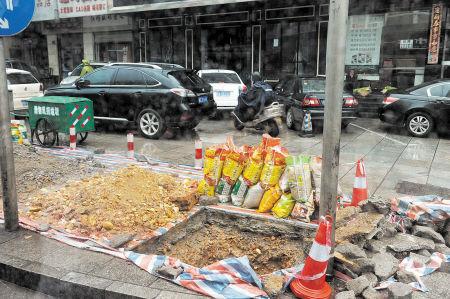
{"points": [[265, 120]]}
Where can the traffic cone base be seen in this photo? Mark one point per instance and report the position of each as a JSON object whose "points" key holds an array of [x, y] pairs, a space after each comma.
{"points": [[301, 291]]}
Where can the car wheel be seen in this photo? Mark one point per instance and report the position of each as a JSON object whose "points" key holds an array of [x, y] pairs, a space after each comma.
{"points": [[420, 124], [290, 121], [151, 125]]}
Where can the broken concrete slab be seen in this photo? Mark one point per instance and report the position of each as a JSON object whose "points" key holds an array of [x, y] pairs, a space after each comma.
{"points": [[345, 295], [378, 204], [118, 241], [404, 242], [425, 252], [442, 248], [208, 200], [428, 233], [169, 272], [363, 265], [447, 238], [355, 230], [351, 251], [419, 258], [357, 285], [385, 265], [405, 276], [400, 290], [409, 188], [371, 293], [375, 246], [372, 278]]}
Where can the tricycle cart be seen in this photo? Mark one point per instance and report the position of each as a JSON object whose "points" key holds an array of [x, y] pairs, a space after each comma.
{"points": [[49, 116]]}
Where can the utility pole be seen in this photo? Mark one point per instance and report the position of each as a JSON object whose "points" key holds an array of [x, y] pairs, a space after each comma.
{"points": [[336, 43], [8, 177]]}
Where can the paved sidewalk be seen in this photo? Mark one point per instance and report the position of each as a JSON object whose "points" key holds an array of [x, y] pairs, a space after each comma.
{"points": [[9, 290], [36, 262]]}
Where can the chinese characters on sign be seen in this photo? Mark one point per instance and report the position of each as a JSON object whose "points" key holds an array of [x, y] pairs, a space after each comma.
{"points": [[435, 34], [45, 10], [364, 39], [406, 44], [44, 110], [77, 8]]}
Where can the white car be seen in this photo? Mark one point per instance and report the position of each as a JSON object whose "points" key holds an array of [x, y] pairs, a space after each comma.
{"points": [[24, 86], [227, 86]]}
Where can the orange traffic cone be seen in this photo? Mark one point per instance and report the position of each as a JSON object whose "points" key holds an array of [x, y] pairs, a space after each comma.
{"points": [[311, 284], [360, 192]]}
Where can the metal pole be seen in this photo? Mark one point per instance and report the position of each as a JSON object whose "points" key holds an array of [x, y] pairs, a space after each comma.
{"points": [[8, 177], [444, 50], [336, 43]]}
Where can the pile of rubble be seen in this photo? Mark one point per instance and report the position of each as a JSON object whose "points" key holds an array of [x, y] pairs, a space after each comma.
{"points": [[371, 246]]}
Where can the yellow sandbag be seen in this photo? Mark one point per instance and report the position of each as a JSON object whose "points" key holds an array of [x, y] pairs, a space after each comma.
{"points": [[274, 166], [233, 166], [205, 189], [269, 199], [284, 206], [213, 164], [252, 171]]}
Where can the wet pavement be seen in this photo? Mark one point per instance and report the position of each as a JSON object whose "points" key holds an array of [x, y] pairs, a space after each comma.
{"points": [[390, 155], [12, 291]]}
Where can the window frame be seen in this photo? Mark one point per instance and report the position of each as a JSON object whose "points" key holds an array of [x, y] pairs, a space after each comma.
{"points": [[86, 77], [145, 76]]}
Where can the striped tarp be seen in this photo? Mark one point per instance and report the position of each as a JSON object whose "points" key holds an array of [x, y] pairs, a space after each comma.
{"points": [[423, 209]]}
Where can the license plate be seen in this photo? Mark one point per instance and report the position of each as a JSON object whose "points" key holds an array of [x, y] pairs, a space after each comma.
{"points": [[203, 100], [223, 93]]}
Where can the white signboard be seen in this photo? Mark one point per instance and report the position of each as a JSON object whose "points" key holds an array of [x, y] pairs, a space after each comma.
{"points": [[406, 44], [77, 8], [364, 39], [45, 10], [114, 20]]}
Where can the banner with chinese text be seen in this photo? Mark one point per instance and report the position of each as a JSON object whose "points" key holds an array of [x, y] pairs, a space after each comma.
{"points": [[77, 8]]}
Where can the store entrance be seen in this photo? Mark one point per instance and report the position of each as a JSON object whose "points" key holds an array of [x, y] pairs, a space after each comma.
{"points": [[227, 48]]}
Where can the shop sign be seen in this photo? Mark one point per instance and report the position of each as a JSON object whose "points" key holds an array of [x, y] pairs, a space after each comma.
{"points": [[435, 34], [406, 44], [364, 39], [114, 20], [45, 10], [77, 8]]}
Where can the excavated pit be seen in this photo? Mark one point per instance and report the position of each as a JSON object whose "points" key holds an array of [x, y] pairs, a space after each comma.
{"points": [[212, 235]]}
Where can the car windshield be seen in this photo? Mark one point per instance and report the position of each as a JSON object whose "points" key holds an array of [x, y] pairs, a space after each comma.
{"points": [[313, 85], [21, 79], [221, 78], [188, 79]]}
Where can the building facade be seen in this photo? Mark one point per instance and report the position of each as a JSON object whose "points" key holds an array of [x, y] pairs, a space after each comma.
{"points": [[397, 42]]}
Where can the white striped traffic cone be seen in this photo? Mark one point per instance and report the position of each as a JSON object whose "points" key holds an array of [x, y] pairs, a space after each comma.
{"points": [[360, 192], [130, 141], [311, 282], [73, 138]]}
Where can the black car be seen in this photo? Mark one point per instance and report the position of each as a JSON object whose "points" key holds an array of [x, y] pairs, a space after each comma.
{"points": [[300, 94], [151, 99], [420, 109]]}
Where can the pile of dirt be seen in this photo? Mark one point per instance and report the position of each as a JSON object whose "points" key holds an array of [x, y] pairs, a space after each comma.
{"points": [[35, 170], [130, 200], [213, 243]]}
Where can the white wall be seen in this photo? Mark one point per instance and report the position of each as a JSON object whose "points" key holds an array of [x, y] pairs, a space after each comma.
{"points": [[89, 46]]}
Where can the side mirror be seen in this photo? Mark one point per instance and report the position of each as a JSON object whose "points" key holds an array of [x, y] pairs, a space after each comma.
{"points": [[81, 83], [69, 74]]}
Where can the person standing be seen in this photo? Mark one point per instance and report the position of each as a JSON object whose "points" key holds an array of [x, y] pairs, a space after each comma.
{"points": [[87, 68]]}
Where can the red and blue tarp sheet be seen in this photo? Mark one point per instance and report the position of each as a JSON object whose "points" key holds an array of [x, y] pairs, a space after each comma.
{"points": [[423, 209]]}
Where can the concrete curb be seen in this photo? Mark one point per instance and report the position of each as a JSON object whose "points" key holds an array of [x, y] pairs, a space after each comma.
{"points": [[67, 284]]}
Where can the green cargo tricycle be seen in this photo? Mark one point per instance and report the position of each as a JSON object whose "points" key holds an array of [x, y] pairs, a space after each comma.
{"points": [[49, 116]]}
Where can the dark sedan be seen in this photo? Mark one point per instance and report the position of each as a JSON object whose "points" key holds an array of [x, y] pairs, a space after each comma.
{"points": [[301, 94], [151, 99], [420, 109]]}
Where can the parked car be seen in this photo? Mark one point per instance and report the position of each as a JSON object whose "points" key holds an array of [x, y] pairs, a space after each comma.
{"points": [[300, 94], [24, 86], [153, 65], [227, 86], [420, 109], [75, 74], [12, 63], [151, 99]]}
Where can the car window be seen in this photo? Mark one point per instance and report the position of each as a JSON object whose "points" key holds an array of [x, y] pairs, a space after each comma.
{"points": [[21, 79], [129, 77], [313, 86], [101, 77], [77, 71], [151, 81], [16, 65], [221, 78], [420, 92], [436, 91], [187, 79], [8, 65], [446, 90]]}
